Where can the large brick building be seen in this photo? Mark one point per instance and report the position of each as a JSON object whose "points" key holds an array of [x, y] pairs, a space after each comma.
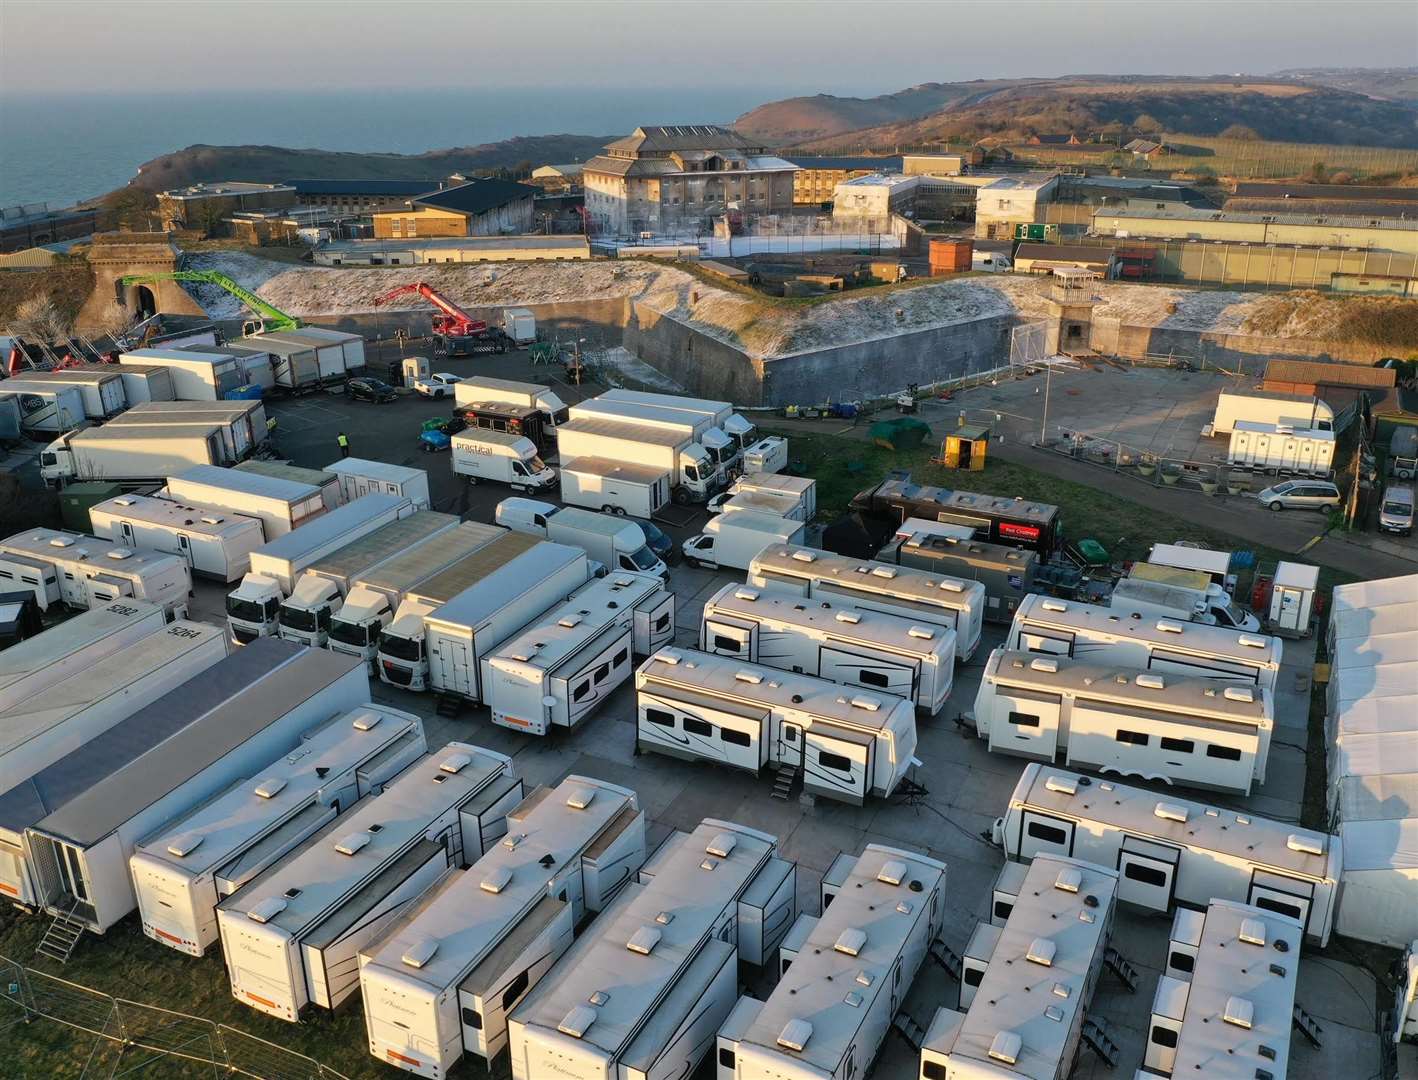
{"points": [[484, 207]]}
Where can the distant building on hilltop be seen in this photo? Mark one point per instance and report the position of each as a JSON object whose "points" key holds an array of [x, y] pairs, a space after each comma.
{"points": [[480, 207], [204, 208], [558, 179], [346, 198]]}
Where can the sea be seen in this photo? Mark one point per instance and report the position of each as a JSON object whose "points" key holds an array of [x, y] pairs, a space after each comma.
{"points": [[62, 148]]}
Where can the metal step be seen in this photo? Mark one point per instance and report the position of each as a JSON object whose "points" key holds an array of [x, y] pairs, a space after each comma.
{"points": [[1305, 1024], [449, 705], [945, 956], [62, 937], [783, 782], [1100, 1042], [1119, 965], [912, 1034]]}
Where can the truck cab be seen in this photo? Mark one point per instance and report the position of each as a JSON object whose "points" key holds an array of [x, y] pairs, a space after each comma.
{"points": [[56, 462], [356, 627], [253, 607], [305, 615], [403, 651]]}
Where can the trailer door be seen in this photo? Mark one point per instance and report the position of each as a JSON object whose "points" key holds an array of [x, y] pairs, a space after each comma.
{"points": [[731, 637], [655, 627], [1147, 873], [1044, 834], [451, 664], [1026, 723], [1282, 895], [790, 745]]}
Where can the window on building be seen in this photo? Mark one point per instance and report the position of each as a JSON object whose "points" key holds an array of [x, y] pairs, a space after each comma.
{"points": [[1148, 875], [1184, 962], [1163, 1036], [873, 678]]}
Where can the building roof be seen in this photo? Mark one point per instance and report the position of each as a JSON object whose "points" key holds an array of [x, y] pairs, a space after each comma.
{"points": [[405, 188], [1363, 193], [1142, 146], [476, 196], [457, 243], [1322, 374], [226, 187], [1029, 182], [882, 180], [871, 164], [1181, 213], [1063, 253], [559, 170], [665, 138]]}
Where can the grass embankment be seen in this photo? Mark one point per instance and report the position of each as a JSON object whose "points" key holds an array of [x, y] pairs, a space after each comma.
{"points": [[67, 284]]}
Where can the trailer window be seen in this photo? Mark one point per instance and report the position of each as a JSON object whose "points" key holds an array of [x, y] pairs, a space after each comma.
{"points": [[726, 1056], [602, 673], [1148, 875], [1280, 907], [834, 761], [1163, 1036], [932, 1070], [473, 1019], [620, 658], [1181, 746], [662, 622], [973, 976], [581, 691], [1050, 834], [727, 644], [513, 992], [735, 738], [1019, 719], [1136, 738], [1225, 753], [1182, 962], [698, 727], [1002, 909], [659, 716], [873, 678]]}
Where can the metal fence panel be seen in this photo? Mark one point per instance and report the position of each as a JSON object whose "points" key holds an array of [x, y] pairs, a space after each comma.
{"points": [[256, 1057]]}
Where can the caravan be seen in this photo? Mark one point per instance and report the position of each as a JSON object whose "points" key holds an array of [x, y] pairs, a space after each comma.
{"points": [[91, 572], [214, 543]]}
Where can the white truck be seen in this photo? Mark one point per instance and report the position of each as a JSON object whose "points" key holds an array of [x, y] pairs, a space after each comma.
{"points": [[215, 543], [331, 492], [520, 325], [339, 355], [359, 476], [293, 371], [140, 382], [46, 406], [305, 615], [696, 426], [101, 386], [282, 505], [613, 487], [1180, 594], [477, 388], [741, 430], [376, 594], [802, 490], [500, 456], [694, 476], [735, 539], [253, 605], [768, 455], [1296, 411], [243, 423], [91, 572], [615, 544], [132, 457], [199, 373]]}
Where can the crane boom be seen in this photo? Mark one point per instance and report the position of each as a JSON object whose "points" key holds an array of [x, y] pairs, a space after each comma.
{"points": [[453, 322], [272, 318]]}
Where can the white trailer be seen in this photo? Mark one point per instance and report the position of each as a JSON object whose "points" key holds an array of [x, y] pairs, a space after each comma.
{"points": [[1216, 565], [871, 650], [1124, 722], [242, 423], [1404, 1018], [792, 496], [1209, 602], [694, 477], [101, 387], [1103, 636], [876, 586], [834, 1004], [46, 406], [131, 456], [1293, 410], [519, 324], [616, 544], [614, 487], [735, 540], [253, 605], [1169, 851], [1227, 1010], [480, 618], [214, 543], [502, 457], [1059, 925], [1276, 448], [767, 455], [563, 666], [92, 572], [443, 982], [339, 355], [722, 413], [199, 373], [292, 936], [306, 614], [328, 483], [141, 382], [294, 367], [644, 991], [188, 866], [698, 706], [282, 505], [694, 426], [772, 503], [82, 849], [359, 476], [529, 395]]}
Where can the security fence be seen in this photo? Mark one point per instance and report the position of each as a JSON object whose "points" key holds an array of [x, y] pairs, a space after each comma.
{"points": [[129, 1036]]}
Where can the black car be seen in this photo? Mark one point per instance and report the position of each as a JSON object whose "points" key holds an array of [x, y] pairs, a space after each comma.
{"points": [[658, 542], [375, 390]]}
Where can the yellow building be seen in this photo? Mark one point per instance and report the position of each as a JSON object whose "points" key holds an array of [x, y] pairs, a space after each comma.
{"points": [[484, 207], [1313, 231], [817, 178]]}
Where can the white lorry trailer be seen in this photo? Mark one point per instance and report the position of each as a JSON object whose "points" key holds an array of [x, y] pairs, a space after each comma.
{"points": [[91, 572], [242, 423], [1216, 565], [198, 374], [141, 382], [1296, 411], [214, 543], [1101, 635], [131, 456], [876, 586], [282, 505], [837, 998], [252, 607], [721, 413], [1169, 851], [292, 936], [1060, 924], [331, 493], [793, 496], [502, 457], [614, 487], [644, 990], [561, 667], [736, 539], [444, 981], [480, 618], [871, 650], [697, 706], [375, 595], [46, 406], [1282, 450], [692, 425], [306, 614], [520, 325], [617, 545], [292, 370], [101, 387], [82, 849], [337, 354], [1125, 722], [694, 477], [528, 395], [359, 476], [187, 867]]}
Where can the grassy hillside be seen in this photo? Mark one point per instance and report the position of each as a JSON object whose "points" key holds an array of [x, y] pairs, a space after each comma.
{"points": [[824, 115]]}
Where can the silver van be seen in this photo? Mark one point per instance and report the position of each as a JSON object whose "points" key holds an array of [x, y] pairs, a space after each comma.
{"points": [[1396, 513], [1301, 495]]}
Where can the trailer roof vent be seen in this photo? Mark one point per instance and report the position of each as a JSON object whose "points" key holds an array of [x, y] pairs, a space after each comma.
{"points": [[865, 978], [1308, 845], [1062, 784], [748, 677], [598, 997], [1069, 880], [1239, 1011], [270, 787], [1170, 811], [184, 844], [893, 872], [668, 656], [1042, 951], [922, 632], [849, 617], [420, 952], [121, 501], [746, 594], [1054, 605], [569, 621], [1044, 663], [664, 918], [366, 720], [1252, 931], [850, 941], [870, 704], [267, 909], [1054, 1013], [578, 1021], [1151, 681], [1062, 990], [511, 840], [805, 556], [795, 1034], [578, 798], [495, 880], [455, 763], [352, 843], [853, 999], [61, 541], [951, 585], [721, 845], [211, 520], [119, 554], [1252, 641], [1170, 626], [644, 940], [1239, 693], [1006, 1046], [887, 572]]}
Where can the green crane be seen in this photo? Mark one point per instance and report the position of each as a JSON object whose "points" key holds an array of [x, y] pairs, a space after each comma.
{"points": [[269, 317]]}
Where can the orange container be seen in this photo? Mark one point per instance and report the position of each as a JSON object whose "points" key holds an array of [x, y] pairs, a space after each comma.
{"points": [[951, 256]]}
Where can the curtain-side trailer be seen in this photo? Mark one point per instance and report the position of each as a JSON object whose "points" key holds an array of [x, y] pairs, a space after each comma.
{"points": [[214, 543]]}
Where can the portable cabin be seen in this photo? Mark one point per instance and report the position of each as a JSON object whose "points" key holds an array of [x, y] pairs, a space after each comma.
{"points": [[359, 476], [444, 981], [214, 543], [1126, 722], [847, 744], [873, 650], [184, 869], [292, 936], [876, 586], [1172, 852]]}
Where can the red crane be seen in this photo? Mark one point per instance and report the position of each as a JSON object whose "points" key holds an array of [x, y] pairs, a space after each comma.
{"points": [[453, 322]]}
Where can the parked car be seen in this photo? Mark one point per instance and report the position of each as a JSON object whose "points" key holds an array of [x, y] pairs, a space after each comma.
{"points": [[367, 389], [1301, 495], [1396, 513], [438, 385], [664, 548], [438, 431]]}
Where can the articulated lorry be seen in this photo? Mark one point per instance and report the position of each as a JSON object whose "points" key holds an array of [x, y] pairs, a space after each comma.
{"points": [[721, 414], [694, 476], [131, 456], [697, 426]]}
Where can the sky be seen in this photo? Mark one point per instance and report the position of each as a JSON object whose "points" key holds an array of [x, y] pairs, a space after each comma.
{"points": [[847, 47]]}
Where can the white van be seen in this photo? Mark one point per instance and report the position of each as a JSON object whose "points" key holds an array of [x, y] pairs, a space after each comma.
{"points": [[481, 454], [1396, 513]]}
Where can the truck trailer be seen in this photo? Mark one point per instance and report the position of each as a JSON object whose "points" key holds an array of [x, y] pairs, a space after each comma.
{"points": [[994, 518], [101, 386], [338, 355], [359, 476], [800, 490], [694, 477], [694, 426], [1297, 411], [214, 543], [131, 456], [282, 505], [1007, 573], [141, 382], [46, 407], [91, 572], [613, 487], [331, 493], [741, 430], [243, 423], [203, 373]]}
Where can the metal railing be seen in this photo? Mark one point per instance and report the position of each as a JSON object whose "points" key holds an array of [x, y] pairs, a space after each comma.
{"points": [[130, 1035]]}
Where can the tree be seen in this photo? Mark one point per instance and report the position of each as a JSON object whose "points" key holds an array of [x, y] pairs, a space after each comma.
{"points": [[1241, 131], [129, 208], [40, 317], [113, 320]]}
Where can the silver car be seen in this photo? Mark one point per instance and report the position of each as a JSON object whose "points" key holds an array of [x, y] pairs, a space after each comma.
{"points": [[1301, 495]]}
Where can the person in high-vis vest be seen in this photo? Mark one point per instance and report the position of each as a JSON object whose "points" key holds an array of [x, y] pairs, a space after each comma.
{"points": [[344, 441]]}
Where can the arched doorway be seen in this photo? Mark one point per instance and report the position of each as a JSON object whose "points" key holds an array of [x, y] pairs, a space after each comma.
{"points": [[146, 303]]}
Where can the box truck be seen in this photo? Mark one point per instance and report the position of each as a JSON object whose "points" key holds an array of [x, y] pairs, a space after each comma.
{"points": [[331, 492], [102, 388], [520, 325], [695, 426], [800, 493], [131, 456], [243, 423], [562, 666], [141, 382], [305, 615], [615, 544], [742, 431], [200, 373], [91, 572], [735, 539], [359, 476], [188, 866], [694, 477], [45, 406], [294, 368], [529, 395], [614, 488], [252, 607], [1276, 448], [376, 594], [1216, 565], [1296, 411], [499, 456], [281, 505], [1179, 594], [214, 543]]}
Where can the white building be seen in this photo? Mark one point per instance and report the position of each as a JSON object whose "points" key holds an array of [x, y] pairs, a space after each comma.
{"points": [[874, 198], [1012, 200]]}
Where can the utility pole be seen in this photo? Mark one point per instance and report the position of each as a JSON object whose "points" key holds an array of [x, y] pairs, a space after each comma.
{"points": [[1048, 383]]}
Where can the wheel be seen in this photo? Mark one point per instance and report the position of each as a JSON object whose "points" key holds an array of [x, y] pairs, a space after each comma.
{"points": [[1276, 505], [473, 480], [518, 487], [608, 509], [681, 496], [619, 511], [426, 448], [438, 395]]}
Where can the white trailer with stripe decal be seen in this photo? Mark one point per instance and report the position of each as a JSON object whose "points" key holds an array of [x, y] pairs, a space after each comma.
{"points": [[833, 640], [847, 743], [1169, 852], [442, 983]]}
